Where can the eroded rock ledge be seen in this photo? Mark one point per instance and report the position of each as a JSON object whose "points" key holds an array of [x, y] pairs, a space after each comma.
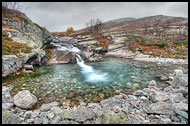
{"points": [[152, 105]]}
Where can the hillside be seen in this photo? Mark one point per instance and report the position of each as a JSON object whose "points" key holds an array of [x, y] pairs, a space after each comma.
{"points": [[22, 41]]}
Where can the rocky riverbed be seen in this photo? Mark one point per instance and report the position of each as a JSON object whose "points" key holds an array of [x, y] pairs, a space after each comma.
{"points": [[152, 105]]}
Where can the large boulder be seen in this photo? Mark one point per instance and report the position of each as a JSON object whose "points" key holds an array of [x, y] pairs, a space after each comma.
{"points": [[180, 79], [62, 57], [24, 99], [10, 64]]}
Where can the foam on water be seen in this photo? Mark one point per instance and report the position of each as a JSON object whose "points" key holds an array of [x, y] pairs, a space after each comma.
{"points": [[90, 74]]}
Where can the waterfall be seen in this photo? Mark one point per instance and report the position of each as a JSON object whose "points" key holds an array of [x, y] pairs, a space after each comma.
{"points": [[91, 74]]}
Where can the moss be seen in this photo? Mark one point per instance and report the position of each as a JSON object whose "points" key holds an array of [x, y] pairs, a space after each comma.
{"points": [[117, 118], [5, 116], [160, 44], [9, 47]]}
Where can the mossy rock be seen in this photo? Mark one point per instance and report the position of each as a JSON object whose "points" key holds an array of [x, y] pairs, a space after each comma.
{"points": [[116, 118]]}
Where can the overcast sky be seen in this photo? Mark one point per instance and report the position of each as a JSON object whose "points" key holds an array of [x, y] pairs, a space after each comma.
{"points": [[58, 16]]}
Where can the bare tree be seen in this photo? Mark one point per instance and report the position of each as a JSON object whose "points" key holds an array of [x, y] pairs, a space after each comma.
{"points": [[95, 26]]}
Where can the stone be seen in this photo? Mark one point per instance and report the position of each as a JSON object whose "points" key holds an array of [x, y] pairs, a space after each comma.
{"points": [[55, 120], [7, 105], [10, 64], [176, 97], [157, 96], [50, 115], [162, 78], [180, 80], [181, 113], [80, 115], [24, 99], [62, 57], [35, 113], [27, 115], [131, 97], [109, 103], [56, 110], [152, 83], [26, 71], [45, 107], [9, 118], [38, 120], [45, 120], [116, 109], [166, 120], [29, 120], [178, 72], [175, 119], [140, 93], [117, 118], [168, 82], [54, 104], [159, 108], [28, 67], [181, 106]]}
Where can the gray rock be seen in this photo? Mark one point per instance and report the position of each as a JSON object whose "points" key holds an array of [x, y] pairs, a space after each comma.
{"points": [[56, 110], [54, 104], [174, 118], [152, 83], [35, 113], [117, 118], [162, 78], [45, 120], [109, 103], [157, 96], [38, 120], [50, 115], [180, 80], [55, 120], [181, 113], [7, 105], [9, 118], [131, 97], [178, 72], [140, 93], [80, 115], [24, 99], [45, 107], [27, 115], [10, 64], [28, 67], [181, 106], [29, 120], [158, 108], [176, 97]]}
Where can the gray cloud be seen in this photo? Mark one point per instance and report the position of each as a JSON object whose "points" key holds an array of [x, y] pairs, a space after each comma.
{"points": [[58, 16]]}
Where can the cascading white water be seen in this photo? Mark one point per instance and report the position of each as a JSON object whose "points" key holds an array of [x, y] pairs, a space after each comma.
{"points": [[90, 74]]}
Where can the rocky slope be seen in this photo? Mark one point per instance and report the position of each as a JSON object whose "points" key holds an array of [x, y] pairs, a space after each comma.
{"points": [[22, 30]]}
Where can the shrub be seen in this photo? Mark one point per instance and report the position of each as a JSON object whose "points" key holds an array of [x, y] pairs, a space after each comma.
{"points": [[160, 44], [69, 31]]}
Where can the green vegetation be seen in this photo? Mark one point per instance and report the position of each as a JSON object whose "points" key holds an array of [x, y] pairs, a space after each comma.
{"points": [[185, 43], [9, 47], [160, 44]]}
